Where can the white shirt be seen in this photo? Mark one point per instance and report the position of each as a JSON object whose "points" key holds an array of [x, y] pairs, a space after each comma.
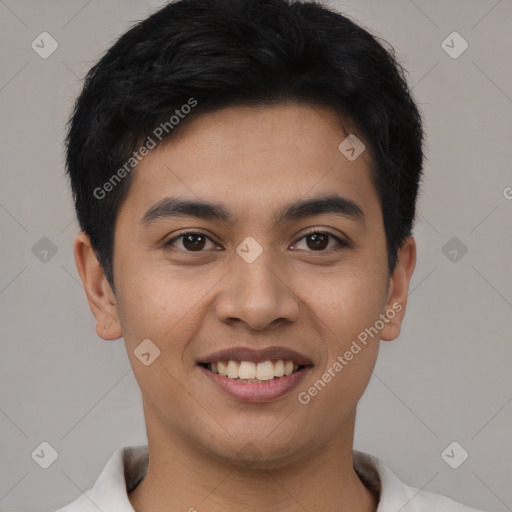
{"points": [[127, 467]]}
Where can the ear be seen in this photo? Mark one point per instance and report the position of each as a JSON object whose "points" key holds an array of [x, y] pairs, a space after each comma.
{"points": [[398, 289], [100, 296]]}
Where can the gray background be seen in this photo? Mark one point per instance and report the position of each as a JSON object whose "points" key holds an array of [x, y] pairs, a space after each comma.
{"points": [[447, 378]]}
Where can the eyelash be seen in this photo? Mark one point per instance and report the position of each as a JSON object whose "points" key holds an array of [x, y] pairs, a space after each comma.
{"points": [[342, 243]]}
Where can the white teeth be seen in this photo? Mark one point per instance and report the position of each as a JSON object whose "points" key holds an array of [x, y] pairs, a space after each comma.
{"points": [[279, 368], [221, 368], [247, 370], [265, 371], [232, 371]]}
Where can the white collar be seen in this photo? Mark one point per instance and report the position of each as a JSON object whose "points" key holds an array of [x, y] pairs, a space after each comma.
{"points": [[128, 465]]}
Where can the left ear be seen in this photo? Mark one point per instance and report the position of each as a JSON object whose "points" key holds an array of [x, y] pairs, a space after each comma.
{"points": [[399, 289]]}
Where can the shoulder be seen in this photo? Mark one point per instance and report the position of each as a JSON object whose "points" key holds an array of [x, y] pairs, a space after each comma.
{"points": [[428, 501], [396, 495], [123, 471]]}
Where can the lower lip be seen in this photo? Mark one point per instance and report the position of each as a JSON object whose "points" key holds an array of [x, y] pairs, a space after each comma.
{"points": [[264, 391]]}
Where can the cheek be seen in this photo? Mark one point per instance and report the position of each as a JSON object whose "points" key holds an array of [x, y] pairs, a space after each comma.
{"points": [[157, 310], [343, 313], [335, 393], [162, 306], [148, 301], [347, 300], [345, 309]]}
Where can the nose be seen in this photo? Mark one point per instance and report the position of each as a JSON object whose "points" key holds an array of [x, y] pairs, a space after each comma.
{"points": [[257, 294]]}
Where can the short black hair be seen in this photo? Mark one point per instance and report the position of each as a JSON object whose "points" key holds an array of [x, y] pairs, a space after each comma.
{"points": [[210, 54]]}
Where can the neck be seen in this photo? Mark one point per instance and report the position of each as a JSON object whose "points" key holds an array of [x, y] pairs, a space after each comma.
{"points": [[180, 477]]}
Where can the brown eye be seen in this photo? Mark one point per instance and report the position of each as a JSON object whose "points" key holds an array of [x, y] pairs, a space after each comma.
{"points": [[190, 242], [194, 242], [318, 241]]}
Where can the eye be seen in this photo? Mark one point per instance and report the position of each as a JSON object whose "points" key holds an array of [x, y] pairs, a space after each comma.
{"points": [[192, 241], [318, 240]]}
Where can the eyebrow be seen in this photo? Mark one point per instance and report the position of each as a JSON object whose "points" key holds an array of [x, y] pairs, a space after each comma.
{"points": [[170, 207]]}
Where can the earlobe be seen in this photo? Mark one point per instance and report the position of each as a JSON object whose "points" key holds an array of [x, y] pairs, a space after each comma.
{"points": [[399, 289], [100, 296]]}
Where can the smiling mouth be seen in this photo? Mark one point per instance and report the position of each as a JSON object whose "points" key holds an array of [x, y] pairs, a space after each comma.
{"points": [[251, 372]]}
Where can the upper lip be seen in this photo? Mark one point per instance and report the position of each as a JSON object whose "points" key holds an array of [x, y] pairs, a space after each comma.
{"points": [[256, 356]]}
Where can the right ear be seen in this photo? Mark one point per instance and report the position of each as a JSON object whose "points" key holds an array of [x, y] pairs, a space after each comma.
{"points": [[100, 296]]}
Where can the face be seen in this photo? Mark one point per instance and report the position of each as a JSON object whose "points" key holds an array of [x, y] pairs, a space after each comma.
{"points": [[246, 278]]}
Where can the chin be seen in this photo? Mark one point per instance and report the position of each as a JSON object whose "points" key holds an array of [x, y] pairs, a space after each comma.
{"points": [[255, 453]]}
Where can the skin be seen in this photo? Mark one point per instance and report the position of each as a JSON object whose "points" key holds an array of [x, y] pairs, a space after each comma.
{"points": [[189, 303]]}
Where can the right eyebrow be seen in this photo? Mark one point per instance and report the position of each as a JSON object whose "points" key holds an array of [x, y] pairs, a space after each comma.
{"points": [[170, 207]]}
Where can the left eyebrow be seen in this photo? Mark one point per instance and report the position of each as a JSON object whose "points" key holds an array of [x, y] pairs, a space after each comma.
{"points": [[328, 204], [170, 207]]}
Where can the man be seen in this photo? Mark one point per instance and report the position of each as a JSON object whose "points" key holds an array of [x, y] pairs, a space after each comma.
{"points": [[245, 175]]}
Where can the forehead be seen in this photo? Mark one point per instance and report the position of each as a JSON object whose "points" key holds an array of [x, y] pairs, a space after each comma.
{"points": [[254, 159]]}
